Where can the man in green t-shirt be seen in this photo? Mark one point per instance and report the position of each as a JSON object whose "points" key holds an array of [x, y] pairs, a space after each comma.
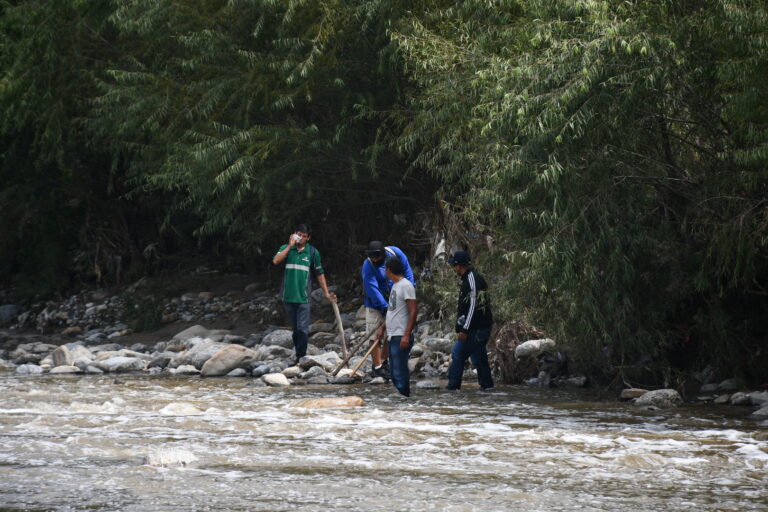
{"points": [[301, 262]]}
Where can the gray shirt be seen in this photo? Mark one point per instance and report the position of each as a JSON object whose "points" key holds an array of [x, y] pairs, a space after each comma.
{"points": [[397, 311]]}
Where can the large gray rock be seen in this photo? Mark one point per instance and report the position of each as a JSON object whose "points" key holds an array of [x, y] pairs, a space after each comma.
{"points": [[118, 364], [292, 372], [62, 357], [65, 369], [660, 398], [185, 369], [202, 349], [102, 356], [438, 344], [276, 380], [534, 347], [740, 398], [281, 337], [275, 352], [728, 385], [758, 398], [761, 413], [8, 314], [323, 339], [29, 369], [227, 359], [198, 331], [315, 371], [321, 327], [330, 402], [327, 360], [427, 384], [35, 348]]}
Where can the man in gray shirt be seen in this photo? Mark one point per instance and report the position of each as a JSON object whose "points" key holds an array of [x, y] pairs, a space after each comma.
{"points": [[399, 323]]}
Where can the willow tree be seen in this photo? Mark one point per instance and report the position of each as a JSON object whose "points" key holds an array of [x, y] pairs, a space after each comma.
{"points": [[55, 177], [248, 113], [606, 145]]}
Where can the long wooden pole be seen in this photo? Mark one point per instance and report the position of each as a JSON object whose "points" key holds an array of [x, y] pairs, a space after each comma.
{"points": [[341, 327], [356, 348], [373, 346]]}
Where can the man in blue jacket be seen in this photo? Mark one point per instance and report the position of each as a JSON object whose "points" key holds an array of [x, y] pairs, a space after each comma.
{"points": [[376, 287], [473, 324]]}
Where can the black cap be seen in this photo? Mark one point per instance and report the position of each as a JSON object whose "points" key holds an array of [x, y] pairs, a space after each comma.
{"points": [[375, 249], [460, 258]]}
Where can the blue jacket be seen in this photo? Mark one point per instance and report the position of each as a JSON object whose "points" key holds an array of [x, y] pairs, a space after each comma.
{"points": [[375, 283]]}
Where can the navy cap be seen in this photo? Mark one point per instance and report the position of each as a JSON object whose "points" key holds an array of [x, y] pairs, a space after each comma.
{"points": [[375, 249], [460, 258]]}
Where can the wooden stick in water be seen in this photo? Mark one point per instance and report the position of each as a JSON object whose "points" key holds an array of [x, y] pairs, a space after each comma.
{"points": [[355, 349], [373, 346], [341, 328]]}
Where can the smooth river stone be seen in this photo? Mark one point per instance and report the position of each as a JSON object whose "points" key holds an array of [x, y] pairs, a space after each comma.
{"points": [[327, 403]]}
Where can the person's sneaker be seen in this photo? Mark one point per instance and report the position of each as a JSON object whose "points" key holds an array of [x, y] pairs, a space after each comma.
{"points": [[382, 371]]}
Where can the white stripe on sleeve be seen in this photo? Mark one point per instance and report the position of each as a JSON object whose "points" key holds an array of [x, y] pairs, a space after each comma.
{"points": [[472, 299]]}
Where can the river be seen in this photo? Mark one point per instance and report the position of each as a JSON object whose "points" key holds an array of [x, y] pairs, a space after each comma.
{"points": [[188, 444]]}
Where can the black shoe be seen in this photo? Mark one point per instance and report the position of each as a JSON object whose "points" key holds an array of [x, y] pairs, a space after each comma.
{"points": [[382, 372]]}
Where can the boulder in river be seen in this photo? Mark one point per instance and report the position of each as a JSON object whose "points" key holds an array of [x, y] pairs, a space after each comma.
{"points": [[29, 369], [276, 379], [328, 360], [62, 357], [65, 369], [280, 337], [202, 349], [198, 331], [534, 347], [227, 359], [632, 393], [330, 402], [121, 364], [660, 398]]}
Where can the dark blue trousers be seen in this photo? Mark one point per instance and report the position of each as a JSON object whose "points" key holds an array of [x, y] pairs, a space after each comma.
{"points": [[473, 348], [298, 316], [398, 365]]}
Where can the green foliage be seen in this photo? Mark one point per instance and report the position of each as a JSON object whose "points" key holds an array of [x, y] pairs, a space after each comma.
{"points": [[615, 151], [246, 111], [598, 142]]}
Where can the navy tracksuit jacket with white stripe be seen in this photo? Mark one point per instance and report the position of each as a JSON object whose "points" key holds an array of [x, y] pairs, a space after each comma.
{"points": [[474, 311]]}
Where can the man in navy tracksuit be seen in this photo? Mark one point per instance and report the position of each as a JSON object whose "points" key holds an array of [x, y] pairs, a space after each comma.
{"points": [[473, 324], [377, 286]]}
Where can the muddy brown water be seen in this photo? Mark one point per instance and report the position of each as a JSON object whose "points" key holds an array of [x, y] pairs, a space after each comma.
{"points": [[138, 443]]}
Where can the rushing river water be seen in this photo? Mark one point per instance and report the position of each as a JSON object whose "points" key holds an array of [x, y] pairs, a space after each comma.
{"points": [[186, 444]]}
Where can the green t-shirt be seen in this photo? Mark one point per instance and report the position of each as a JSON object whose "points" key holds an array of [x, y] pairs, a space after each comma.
{"points": [[296, 280]]}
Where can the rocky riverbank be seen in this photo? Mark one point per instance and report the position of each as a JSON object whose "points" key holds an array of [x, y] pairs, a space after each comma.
{"points": [[233, 330], [88, 333]]}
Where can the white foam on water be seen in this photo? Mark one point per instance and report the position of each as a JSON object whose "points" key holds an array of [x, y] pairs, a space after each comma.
{"points": [[103, 408], [170, 457], [754, 451], [479, 448], [180, 409]]}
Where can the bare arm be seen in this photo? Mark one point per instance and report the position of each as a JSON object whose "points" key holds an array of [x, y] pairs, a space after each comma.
{"points": [[280, 256], [330, 296], [413, 310]]}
